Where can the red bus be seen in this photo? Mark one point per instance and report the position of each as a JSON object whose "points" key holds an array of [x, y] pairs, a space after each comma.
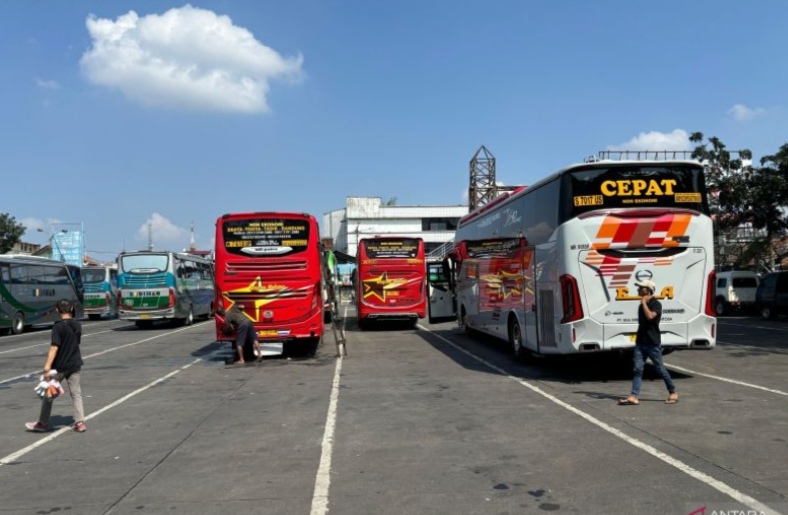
{"points": [[271, 263], [391, 280]]}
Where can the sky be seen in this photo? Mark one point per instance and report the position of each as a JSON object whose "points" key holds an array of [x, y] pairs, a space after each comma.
{"points": [[120, 116]]}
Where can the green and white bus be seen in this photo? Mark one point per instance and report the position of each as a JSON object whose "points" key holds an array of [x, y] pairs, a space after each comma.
{"points": [[161, 285], [30, 287], [101, 290]]}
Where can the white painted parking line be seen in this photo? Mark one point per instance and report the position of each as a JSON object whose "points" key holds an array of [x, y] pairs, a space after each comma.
{"points": [[323, 478], [725, 379], [741, 497], [113, 349], [47, 344], [11, 458]]}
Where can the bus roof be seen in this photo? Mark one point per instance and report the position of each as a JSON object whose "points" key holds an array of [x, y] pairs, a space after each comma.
{"points": [[30, 258], [266, 214], [507, 197]]}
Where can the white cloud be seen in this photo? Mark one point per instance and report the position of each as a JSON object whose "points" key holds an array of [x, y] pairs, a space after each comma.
{"points": [[165, 234], [187, 58], [32, 226], [741, 112], [51, 85], [655, 140]]}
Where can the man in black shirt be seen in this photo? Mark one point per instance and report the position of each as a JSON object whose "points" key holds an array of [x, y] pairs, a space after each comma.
{"points": [[647, 344], [65, 358], [245, 333]]}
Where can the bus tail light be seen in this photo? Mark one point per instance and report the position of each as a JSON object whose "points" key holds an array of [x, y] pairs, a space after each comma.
{"points": [[172, 298], [710, 288], [570, 297]]}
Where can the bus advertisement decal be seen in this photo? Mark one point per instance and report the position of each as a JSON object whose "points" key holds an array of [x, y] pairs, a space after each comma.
{"points": [[265, 237]]}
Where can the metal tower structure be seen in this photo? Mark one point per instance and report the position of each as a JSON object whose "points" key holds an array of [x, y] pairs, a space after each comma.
{"points": [[482, 178]]}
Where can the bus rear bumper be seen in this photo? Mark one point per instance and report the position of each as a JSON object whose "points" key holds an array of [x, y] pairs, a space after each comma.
{"points": [[408, 317], [163, 314]]}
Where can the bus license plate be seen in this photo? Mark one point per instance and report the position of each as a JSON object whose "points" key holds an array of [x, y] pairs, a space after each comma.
{"points": [[144, 315], [267, 334], [632, 337]]}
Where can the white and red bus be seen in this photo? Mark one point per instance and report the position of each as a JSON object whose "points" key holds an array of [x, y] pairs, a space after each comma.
{"points": [[390, 280], [272, 264], [551, 268]]}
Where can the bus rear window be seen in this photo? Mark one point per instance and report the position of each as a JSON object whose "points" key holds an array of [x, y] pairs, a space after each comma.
{"points": [[634, 186], [407, 248], [93, 276], [265, 237], [144, 263]]}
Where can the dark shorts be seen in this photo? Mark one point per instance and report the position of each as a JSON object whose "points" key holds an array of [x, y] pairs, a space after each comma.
{"points": [[245, 334]]}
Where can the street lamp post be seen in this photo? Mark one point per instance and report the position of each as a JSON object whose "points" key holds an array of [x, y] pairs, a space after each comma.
{"points": [[53, 241]]}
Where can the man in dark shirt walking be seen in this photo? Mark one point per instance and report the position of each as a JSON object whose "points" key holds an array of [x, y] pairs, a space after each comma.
{"points": [[647, 344], [64, 357]]}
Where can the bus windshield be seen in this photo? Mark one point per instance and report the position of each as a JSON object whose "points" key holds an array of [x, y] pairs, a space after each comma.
{"points": [[400, 248], [144, 263], [634, 186], [93, 275], [265, 237]]}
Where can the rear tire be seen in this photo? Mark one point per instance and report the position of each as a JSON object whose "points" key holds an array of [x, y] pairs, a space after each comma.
{"points": [[516, 340], [767, 313], [18, 323], [190, 317], [94, 317]]}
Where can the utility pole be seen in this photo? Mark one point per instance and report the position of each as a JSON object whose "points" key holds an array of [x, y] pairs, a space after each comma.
{"points": [[150, 236], [192, 245]]}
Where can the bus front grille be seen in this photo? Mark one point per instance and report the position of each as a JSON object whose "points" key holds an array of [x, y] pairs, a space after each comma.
{"points": [[257, 266]]}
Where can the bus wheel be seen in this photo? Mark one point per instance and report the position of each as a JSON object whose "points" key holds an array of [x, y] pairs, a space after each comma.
{"points": [[189, 320], [516, 339], [94, 316], [18, 323], [767, 313]]}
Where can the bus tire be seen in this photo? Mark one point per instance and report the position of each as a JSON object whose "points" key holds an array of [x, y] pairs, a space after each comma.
{"points": [[18, 323], [189, 320], [94, 316], [767, 313], [516, 339]]}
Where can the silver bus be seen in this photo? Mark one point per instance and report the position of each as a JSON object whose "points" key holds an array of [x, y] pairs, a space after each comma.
{"points": [[31, 286]]}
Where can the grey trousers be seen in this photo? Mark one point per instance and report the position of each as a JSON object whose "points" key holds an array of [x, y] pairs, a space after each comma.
{"points": [[76, 397]]}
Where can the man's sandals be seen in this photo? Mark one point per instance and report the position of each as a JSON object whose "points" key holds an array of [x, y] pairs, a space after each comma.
{"points": [[629, 401], [673, 398]]}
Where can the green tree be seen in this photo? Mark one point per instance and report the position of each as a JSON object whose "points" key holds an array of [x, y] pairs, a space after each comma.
{"points": [[745, 198], [10, 232]]}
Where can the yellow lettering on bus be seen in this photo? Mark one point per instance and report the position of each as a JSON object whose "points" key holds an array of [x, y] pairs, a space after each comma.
{"points": [[638, 185], [608, 188], [623, 188], [668, 184], [623, 294]]}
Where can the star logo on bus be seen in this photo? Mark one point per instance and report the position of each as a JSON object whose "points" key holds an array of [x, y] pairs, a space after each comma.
{"points": [[258, 295], [377, 286]]}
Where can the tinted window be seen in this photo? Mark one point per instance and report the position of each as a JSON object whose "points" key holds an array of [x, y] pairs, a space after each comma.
{"points": [[93, 275], [265, 237], [144, 263], [722, 282], [744, 282], [633, 186]]}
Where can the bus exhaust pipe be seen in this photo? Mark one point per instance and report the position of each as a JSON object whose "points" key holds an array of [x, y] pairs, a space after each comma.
{"points": [[700, 344], [589, 347]]}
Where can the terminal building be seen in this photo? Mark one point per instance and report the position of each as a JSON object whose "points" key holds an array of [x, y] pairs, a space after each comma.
{"points": [[364, 217]]}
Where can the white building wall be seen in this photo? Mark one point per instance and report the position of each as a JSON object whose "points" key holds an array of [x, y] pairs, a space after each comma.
{"points": [[364, 217]]}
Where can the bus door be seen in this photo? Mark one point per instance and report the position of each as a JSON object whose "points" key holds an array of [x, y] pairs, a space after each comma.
{"points": [[442, 305], [529, 298], [610, 296]]}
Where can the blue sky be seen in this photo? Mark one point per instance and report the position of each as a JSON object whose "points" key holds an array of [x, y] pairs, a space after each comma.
{"points": [[182, 112]]}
